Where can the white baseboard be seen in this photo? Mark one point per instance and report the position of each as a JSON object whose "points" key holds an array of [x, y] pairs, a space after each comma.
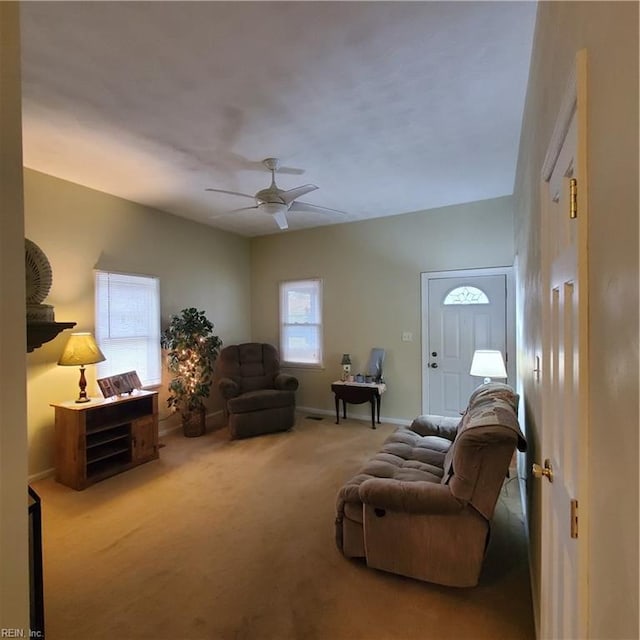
{"points": [[41, 474], [170, 429], [355, 416], [167, 430]]}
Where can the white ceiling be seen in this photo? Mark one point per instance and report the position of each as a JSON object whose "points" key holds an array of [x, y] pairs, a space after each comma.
{"points": [[389, 107]]}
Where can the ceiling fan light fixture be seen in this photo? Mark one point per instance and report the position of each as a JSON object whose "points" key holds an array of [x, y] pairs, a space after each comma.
{"points": [[274, 208]]}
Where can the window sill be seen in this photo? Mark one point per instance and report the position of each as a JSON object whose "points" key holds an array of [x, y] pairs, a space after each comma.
{"points": [[301, 365]]}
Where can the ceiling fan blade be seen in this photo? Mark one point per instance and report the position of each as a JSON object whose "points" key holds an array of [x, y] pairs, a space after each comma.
{"points": [[313, 208], [236, 162], [292, 194], [226, 213], [273, 164], [281, 219], [290, 171], [244, 209], [233, 193]]}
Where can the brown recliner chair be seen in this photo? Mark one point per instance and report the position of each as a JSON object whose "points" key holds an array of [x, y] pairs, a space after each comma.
{"points": [[258, 398]]}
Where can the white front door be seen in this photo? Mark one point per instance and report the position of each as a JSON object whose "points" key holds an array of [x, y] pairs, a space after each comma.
{"points": [[465, 313], [563, 588]]}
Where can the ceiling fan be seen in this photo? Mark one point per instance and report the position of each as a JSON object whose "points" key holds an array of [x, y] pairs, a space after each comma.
{"points": [[278, 202]]}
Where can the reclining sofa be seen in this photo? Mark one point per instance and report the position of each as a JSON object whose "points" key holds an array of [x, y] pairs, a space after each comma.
{"points": [[422, 506]]}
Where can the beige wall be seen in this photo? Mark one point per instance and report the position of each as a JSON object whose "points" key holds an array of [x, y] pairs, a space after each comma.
{"points": [[14, 598], [371, 288], [609, 32], [80, 229]]}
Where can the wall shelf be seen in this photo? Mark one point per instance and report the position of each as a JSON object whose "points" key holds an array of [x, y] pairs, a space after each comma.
{"points": [[40, 332]]}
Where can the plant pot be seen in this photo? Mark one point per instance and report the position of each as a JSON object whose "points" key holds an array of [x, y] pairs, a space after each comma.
{"points": [[193, 424]]}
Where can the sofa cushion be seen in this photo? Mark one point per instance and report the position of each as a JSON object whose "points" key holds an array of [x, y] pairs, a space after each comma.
{"points": [[432, 425], [404, 456], [408, 445], [261, 399], [389, 465]]}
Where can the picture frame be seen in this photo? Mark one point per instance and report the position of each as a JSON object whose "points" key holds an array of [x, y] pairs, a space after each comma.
{"points": [[119, 384], [105, 387], [374, 368], [132, 380]]}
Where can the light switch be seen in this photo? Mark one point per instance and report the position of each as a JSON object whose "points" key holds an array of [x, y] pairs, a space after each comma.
{"points": [[407, 336]]}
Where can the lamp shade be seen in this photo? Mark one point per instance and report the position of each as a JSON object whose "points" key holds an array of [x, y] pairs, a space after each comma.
{"points": [[488, 363], [81, 349], [346, 358]]}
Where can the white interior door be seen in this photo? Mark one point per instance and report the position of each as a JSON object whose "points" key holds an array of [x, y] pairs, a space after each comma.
{"points": [[563, 595], [465, 313]]}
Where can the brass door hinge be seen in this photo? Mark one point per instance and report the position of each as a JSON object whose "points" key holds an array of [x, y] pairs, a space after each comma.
{"points": [[574, 518], [573, 198]]}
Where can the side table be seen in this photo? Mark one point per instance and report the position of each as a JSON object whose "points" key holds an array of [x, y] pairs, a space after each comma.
{"points": [[358, 393]]}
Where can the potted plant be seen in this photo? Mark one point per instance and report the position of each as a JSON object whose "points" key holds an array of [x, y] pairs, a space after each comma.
{"points": [[192, 349]]}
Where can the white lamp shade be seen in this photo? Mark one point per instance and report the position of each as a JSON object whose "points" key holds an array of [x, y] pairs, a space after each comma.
{"points": [[487, 363]]}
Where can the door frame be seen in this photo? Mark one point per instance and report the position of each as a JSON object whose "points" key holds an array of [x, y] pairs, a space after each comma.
{"points": [[425, 277], [573, 100]]}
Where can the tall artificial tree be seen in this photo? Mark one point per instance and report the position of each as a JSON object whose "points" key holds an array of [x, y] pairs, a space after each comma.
{"points": [[192, 349]]}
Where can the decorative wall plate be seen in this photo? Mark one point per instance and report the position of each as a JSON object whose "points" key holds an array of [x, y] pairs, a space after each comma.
{"points": [[39, 274]]}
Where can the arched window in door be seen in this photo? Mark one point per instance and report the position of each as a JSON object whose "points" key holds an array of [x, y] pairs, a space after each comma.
{"points": [[466, 295]]}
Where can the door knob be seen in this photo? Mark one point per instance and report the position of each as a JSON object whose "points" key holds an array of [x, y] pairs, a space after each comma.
{"points": [[434, 365], [547, 471]]}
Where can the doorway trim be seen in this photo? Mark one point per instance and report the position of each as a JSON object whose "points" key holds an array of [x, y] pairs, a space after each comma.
{"points": [[425, 277], [574, 102]]}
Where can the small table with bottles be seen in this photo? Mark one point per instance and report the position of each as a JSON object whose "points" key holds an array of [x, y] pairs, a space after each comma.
{"points": [[358, 393]]}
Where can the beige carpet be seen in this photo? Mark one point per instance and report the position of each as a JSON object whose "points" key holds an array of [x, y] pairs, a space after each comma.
{"points": [[235, 540]]}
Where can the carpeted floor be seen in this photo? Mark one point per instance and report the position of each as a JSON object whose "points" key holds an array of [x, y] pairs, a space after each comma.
{"points": [[224, 540]]}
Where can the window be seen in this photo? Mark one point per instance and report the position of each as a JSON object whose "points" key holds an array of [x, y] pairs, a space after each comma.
{"points": [[128, 325], [301, 322], [466, 295]]}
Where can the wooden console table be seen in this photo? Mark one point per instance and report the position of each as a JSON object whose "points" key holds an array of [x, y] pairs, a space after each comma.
{"points": [[97, 439], [358, 393]]}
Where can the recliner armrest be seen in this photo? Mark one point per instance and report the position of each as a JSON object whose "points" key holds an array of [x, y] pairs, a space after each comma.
{"points": [[285, 382], [228, 388], [410, 497], [442, 426]]}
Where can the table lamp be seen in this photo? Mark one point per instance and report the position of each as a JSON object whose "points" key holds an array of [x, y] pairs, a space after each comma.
{"points": [[489, 364], [81, 349]]}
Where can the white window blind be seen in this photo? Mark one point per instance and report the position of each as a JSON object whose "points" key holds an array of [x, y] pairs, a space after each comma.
{"points": [[301, 322], [128, 325]]}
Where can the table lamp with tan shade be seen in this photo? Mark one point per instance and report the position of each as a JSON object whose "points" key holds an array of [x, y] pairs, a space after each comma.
{"points": [[81, 350]]}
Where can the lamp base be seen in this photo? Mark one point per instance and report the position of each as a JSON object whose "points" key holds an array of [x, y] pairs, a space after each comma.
{"points": [[83, 386]]}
